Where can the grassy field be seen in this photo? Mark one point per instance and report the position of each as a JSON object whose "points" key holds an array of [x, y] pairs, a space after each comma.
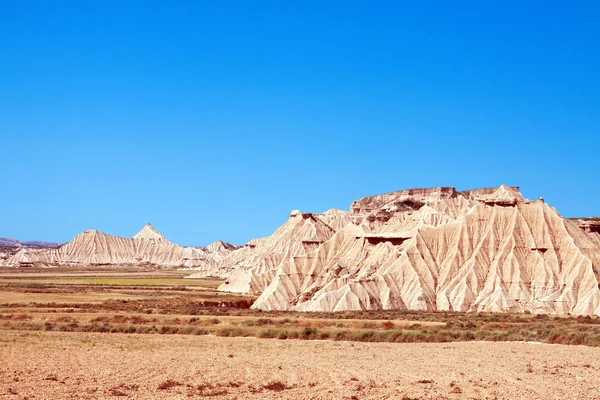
{"points": [[159, 303]]}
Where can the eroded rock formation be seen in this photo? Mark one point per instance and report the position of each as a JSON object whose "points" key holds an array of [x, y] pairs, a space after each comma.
{"points": [[148, 248], [253, 267], [439, 249]]}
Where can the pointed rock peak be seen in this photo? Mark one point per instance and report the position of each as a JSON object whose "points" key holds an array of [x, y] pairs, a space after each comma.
{"points": [[506, 195], [88, 236], [502, 196], [509, 191], [220, 245], [150, 233]]}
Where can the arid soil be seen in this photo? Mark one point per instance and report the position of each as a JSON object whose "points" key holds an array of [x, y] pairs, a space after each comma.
{"points": [[61, 365]]}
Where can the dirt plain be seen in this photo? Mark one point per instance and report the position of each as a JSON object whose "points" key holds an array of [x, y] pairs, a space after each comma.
{"points": [[66, 365], [101, 335]]}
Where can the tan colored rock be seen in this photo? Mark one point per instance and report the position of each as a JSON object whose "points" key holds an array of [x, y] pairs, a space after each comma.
{"points": [[439, 249], [150, 233], [591, 225], [92, 247], [219, 254], [252, 268]]}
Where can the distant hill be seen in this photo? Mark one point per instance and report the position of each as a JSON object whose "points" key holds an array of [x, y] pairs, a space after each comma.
{"points": [[7, 242], [148, 248]]}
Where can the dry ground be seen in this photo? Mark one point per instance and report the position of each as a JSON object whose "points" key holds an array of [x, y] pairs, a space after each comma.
{"points": [[51, 348], [59, 365]]}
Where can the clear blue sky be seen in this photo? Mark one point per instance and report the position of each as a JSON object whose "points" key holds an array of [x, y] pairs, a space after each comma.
{"points": [[213, 120]]}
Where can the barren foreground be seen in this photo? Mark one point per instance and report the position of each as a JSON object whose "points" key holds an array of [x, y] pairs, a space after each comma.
{"points": [[52, 365]]}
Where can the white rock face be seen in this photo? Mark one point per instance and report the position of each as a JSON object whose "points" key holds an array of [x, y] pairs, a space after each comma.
{"points": [[253, 267], [439, 249]]}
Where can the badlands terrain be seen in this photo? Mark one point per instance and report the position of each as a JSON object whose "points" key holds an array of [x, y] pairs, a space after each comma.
{"points": [[426, 249], [417, 249], [421, 293]]}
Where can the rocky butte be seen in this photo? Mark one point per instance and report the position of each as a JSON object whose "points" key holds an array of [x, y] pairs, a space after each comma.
{"points": [[426, 249]]}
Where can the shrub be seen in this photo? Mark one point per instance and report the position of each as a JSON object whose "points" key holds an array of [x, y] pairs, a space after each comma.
{"points": [[282, 335], [365, 336], [186, 330], [165, 329], [387, 325], [231, 332], [308, 333], [267, 334], [276, 386], [168, 384], [201, 331], [294, 334], [323, 335]]}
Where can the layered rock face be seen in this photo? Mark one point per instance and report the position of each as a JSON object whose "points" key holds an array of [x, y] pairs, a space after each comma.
{"points": [[439, 249], [147, 248], [150, 233], [253, 267], [591, 225]]}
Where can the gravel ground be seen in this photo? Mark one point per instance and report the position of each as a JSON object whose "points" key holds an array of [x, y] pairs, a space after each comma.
{"points": [[53, 365]]}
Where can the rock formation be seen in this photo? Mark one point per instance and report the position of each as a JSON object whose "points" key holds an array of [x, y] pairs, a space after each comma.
{"points": [[148, 248], [150, 233], [591, 225], [218, 253], [440, 249], [6, 242], [10, 247], [253, 267]]}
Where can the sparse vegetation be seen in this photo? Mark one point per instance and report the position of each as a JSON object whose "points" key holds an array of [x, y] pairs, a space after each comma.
{"points": [[177, 310]]}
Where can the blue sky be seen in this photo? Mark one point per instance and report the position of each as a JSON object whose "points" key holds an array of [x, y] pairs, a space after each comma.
{"points": [[213, 120]]}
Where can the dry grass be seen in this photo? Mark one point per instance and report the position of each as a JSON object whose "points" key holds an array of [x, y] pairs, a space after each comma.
{"points": [[159, 304], [462, 327], [64, 298]]}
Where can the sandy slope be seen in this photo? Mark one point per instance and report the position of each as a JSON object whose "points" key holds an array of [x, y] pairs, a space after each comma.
{"points": [[91, 366]]}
